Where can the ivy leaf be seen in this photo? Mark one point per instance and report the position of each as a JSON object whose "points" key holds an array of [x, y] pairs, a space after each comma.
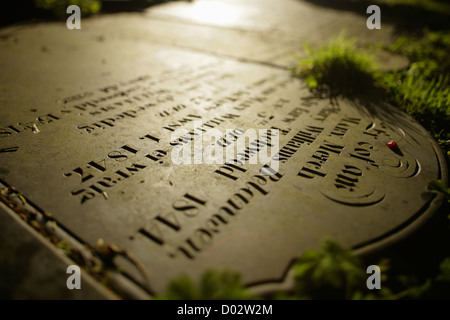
{"points": [[445, 270], [213, 285], [181, 288], [332, 272]]}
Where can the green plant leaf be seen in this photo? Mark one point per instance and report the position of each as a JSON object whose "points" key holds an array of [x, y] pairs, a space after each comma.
{"points": [[213, 285], [331, 272]]}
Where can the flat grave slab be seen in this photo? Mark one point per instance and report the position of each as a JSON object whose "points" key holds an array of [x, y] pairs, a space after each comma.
{"points": [[93, 130]]}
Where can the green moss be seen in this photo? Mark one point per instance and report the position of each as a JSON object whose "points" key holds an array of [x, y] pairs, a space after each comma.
{"points": [[213, 285], [58, 7], [423, 90], [338, 68], [430, 5]]}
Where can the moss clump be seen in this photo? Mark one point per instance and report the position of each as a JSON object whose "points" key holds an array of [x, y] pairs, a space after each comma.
{"points": [[337, 67]]}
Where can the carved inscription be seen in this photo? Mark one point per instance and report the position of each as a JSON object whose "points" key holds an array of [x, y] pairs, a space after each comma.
{"points": [[330, 161]]}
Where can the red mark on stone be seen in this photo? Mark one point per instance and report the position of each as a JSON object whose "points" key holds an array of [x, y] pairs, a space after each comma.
{"points": [[394, 147]]}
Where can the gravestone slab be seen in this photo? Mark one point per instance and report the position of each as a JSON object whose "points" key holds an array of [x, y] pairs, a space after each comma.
{"points": [[92, 128]]}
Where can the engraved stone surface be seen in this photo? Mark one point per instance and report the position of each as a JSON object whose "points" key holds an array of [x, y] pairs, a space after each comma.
{"points": [[87, 132]]}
